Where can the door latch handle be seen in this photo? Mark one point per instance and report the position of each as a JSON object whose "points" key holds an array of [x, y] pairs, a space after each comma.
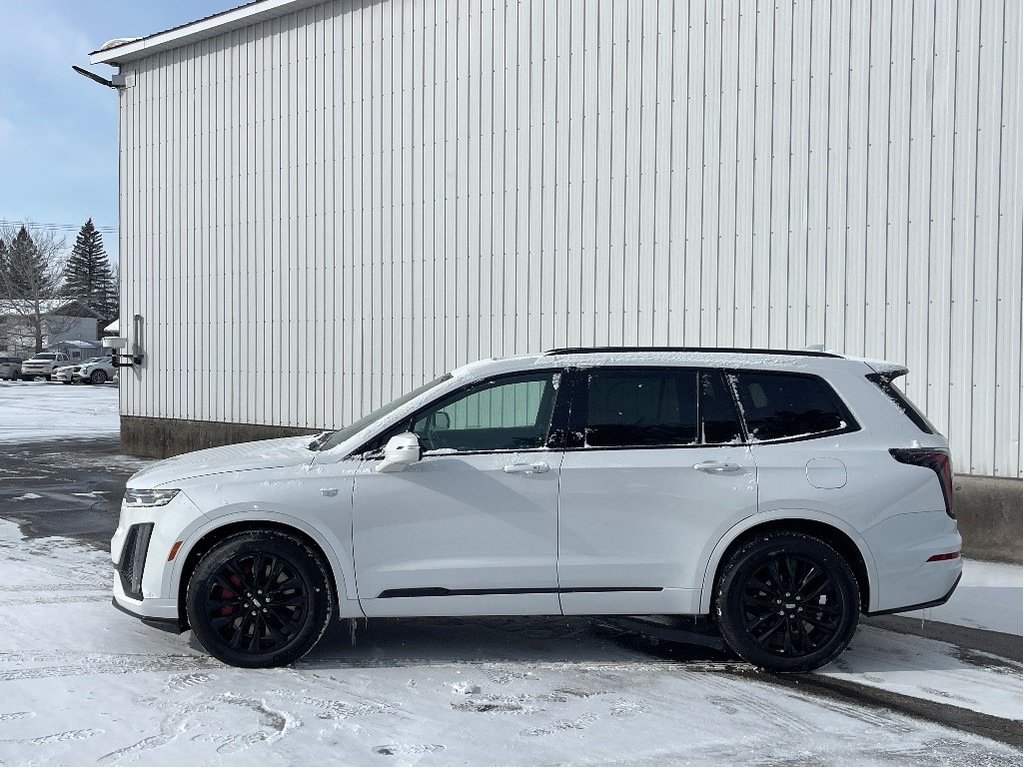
{"points": [[716, 467], [329, 491], [526, 469]]}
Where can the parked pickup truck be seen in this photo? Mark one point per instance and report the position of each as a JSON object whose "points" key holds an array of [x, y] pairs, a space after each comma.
{"points": [[42, 364]]}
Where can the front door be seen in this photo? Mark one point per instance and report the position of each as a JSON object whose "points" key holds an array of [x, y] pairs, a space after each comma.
{"points": [[470, 529], [659, 473]]}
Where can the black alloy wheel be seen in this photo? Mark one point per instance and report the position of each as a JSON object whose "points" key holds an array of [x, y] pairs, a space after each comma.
{"points": [[259, 599], [787, 602], [98, 377]]}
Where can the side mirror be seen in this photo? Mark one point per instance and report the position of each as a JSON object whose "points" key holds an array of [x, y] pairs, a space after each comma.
{"points": [[401, 451]]}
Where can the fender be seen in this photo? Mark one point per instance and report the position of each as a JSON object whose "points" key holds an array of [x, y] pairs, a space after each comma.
{"points": [[713, 559], [338, 562]]}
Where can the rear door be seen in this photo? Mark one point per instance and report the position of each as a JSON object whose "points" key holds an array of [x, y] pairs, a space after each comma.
{"points": [[655, 471]]}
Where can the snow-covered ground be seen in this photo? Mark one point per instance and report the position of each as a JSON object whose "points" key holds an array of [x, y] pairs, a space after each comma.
{"points": [[82, 683], [42, 410], [989, 597]]}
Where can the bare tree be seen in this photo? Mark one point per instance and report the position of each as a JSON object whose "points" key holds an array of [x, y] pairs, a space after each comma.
{"points": [[31, 263]]}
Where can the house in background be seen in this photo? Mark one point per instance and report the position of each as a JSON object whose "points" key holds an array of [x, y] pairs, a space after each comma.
{"points": [[56, 325]]}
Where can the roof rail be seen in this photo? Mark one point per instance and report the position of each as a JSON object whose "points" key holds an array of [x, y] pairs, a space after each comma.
{"points": [[730, 350]]}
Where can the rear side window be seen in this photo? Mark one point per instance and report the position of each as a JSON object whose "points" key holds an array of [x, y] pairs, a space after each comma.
{"points": [[641, 407], [897, 398], [779, 406]]}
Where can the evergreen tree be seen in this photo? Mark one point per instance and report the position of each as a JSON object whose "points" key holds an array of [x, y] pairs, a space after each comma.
{"points": [[27, 273], [87, 274]]}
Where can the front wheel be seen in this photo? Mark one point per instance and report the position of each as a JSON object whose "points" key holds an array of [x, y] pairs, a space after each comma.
{"points": [[98, 377], [787, 602], [259, 599]]}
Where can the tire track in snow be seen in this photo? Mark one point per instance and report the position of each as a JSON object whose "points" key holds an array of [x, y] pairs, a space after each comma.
{"points": [[833, 692], [99, 664]]}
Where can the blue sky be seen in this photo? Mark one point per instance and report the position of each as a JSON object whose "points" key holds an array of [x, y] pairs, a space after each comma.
{"points": [[58, 131]]}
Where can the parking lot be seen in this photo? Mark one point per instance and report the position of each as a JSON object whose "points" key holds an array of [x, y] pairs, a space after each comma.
{"points": [[82, 683]]}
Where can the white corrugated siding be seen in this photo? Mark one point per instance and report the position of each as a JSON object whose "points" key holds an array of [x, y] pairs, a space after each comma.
{"points": [[323, 210]]}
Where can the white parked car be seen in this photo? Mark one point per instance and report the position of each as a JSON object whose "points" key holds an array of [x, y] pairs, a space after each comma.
{"points": [[64, 373], [96, 370], [781, 493]]}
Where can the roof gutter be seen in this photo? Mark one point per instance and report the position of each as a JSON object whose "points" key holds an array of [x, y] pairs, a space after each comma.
{"points": [[211, 26]]}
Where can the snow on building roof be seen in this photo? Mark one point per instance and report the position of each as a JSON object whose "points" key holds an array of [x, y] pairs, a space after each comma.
{"points": [[120, 50]]}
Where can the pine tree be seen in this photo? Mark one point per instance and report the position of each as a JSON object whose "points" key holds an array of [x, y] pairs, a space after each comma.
{"points": [[27, 274], [87, 275]]}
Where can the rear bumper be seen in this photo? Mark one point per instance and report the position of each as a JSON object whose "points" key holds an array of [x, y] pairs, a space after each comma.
{"points": [[930, 604]]}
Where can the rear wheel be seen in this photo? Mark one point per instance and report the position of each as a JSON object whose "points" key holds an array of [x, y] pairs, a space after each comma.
{"points": [[259, 599], [787, 602]]}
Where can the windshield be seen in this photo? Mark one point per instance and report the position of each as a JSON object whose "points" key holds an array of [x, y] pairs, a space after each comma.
{"points": [[46, 356], [329, 440]]}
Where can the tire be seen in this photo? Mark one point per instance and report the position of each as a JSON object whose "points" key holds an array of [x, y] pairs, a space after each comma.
{"points": [[217, 599], [98, 377], [760, 589]]}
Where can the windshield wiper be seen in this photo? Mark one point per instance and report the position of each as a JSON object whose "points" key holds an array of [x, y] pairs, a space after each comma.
{"points": [[319, 441]]}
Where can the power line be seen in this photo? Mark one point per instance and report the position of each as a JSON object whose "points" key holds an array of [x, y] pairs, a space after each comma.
{"points": [[105, 230]]}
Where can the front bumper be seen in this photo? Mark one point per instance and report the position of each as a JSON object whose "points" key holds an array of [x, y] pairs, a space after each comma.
{"points": [[167, 625], [64, 376], [139, 549]]}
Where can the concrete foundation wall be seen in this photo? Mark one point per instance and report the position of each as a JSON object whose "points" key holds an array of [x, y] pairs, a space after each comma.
{"points": [[989, 514], [989, 509], [160, 438]]}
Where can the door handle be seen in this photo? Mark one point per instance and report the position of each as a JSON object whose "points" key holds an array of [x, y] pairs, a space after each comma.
{"points": [[716, 467], [526, 469]]}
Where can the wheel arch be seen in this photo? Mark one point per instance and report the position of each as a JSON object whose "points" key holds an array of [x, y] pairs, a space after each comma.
{"points": [[850, 546], [206, 538]]}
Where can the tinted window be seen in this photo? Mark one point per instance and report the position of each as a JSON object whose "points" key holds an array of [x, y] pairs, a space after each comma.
{"points": [[507, 414], [719, 422], [781, 405], [641, 407]]}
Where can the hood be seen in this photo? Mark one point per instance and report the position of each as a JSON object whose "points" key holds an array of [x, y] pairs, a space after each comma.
{"points": [[241, 457]]}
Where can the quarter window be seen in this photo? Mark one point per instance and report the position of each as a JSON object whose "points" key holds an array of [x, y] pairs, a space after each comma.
{"points": [[781, 405]]}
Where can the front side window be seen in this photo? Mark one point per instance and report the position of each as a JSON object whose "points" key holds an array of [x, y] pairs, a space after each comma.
{"points": [[641, 407], [780, 406], [511, 413]]}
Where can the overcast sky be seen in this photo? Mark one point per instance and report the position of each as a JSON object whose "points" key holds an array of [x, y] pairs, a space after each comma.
{"points": [[58, 131]]}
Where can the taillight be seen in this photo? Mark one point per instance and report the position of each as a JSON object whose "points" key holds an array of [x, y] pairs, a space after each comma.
{"points": [[935, 459]]}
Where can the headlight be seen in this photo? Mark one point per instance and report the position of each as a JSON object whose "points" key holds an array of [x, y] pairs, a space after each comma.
{"points": [[135, 497]]}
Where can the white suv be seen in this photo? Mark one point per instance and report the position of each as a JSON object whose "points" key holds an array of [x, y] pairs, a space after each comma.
{"points": [[782, 493]]}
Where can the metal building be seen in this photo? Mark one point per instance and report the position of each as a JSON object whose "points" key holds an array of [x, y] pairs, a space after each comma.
{"points": [[324, 204]]}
